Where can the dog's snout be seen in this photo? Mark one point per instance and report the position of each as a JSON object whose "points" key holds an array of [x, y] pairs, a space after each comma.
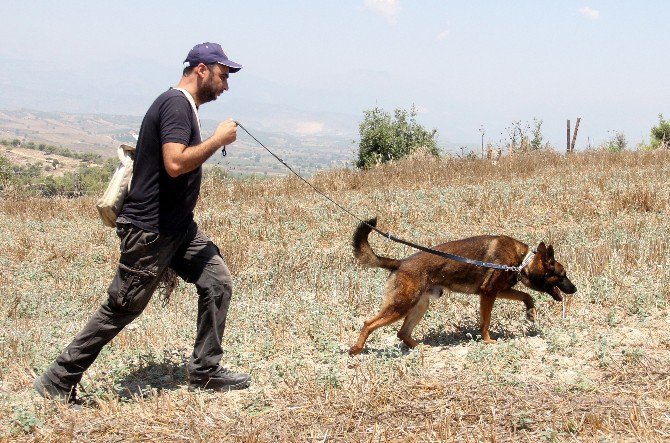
{"points": [[567, 286]]}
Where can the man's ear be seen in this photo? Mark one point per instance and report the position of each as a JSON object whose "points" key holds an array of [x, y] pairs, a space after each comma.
{"points": [[201, 70]]}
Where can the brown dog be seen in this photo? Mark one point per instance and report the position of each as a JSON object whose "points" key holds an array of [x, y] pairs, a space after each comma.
{"points": [[417, 278]]}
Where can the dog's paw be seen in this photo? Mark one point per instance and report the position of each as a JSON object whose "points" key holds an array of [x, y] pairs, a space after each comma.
{"points": [[355, 350], [530, 314], [486, 337], [409, 341]]}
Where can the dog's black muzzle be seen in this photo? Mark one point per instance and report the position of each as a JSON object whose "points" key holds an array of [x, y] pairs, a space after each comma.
{"points": [[565, 286]]}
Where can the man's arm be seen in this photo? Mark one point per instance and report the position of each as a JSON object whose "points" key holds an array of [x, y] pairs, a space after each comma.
{"points": [[180, 159]]}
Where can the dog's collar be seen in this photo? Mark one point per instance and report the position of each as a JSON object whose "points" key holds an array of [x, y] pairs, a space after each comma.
{"points": [[526, 260]]}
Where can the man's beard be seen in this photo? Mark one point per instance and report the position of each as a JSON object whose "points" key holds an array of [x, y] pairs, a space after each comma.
{"points": [[207, 91]]}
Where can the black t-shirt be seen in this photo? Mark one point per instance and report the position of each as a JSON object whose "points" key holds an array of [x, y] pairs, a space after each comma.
{"points": [[157, 202]]}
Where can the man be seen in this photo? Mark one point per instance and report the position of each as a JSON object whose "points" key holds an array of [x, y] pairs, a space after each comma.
{"points": [[158, 234]]}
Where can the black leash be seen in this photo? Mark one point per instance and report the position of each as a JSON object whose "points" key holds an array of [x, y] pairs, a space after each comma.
{"points": [[388, 235]]}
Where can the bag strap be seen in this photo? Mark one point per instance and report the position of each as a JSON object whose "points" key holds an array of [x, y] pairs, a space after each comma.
{"points": [[189, 97]]}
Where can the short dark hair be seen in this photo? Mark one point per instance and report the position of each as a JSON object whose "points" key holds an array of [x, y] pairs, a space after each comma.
{"points": [[189, 69]]}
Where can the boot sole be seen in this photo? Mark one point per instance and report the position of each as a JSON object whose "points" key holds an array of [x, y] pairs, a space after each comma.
{"points": [[218, 388]]}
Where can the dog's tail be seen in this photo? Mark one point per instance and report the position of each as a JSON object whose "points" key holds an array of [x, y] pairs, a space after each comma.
{"points": [[364, 253]]}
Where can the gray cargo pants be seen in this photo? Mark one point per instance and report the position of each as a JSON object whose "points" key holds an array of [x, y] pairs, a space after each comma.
{"points": [[145, 256]]}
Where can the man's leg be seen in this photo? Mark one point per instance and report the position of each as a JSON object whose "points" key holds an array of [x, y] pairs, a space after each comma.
{"points": [[201, 263], [144, 258]]}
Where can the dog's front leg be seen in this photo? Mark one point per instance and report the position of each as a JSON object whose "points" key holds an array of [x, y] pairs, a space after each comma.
{"points": [[485, 308], [527, 299]]}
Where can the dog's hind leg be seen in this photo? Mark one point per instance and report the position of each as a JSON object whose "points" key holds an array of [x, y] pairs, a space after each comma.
{"points": [[485, 307], [387, 316], [527, 299], [400, 296], [413, 318]]}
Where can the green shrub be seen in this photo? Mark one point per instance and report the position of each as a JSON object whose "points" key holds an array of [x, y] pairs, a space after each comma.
{"points": [[386, 138], [5, 171], [617, 142], [660, 135], [536, 142]]}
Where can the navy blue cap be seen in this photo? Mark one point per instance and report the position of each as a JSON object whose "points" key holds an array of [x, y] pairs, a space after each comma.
{"points": [[208, 53]]}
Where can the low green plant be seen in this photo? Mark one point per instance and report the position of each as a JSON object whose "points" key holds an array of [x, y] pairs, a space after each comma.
{"points": [[633, 355], [329, 377], [603, 352], [24, 421], [551, 435], [522, 420]]}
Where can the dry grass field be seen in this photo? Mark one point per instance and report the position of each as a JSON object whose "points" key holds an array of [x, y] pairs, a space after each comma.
{"points": [[601, 374]]}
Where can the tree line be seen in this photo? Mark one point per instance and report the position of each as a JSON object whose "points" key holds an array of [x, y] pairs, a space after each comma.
{"points": [[54, 150], [386, 137]]}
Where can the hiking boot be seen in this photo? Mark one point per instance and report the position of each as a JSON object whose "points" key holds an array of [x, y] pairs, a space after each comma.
{"points": [[51, 391], [221, 380]]}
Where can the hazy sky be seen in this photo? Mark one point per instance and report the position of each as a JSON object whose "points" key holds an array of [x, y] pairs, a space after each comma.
{"points": [[462, 64]]}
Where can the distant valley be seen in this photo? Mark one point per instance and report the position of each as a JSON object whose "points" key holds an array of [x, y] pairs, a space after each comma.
{"points": [[102, 133]]}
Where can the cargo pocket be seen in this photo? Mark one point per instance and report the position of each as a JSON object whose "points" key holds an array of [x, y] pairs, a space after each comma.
{"points": [[132, 288]]}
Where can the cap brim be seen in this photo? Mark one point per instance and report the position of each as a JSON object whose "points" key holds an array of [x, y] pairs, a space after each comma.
{"points": [[233, 67]]}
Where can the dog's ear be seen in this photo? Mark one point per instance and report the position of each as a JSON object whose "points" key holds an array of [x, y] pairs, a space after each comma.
{"points": [[542, 250], [550, 254]]}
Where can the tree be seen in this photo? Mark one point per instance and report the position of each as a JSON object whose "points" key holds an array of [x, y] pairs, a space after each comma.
{"points": [[386, 138], [517, 137], [536, 142], [660, 135], [617, 142]]}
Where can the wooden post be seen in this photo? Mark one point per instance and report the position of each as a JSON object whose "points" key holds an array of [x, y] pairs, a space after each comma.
{"points": [[567, 147], [574, 136], [481, 129]]}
